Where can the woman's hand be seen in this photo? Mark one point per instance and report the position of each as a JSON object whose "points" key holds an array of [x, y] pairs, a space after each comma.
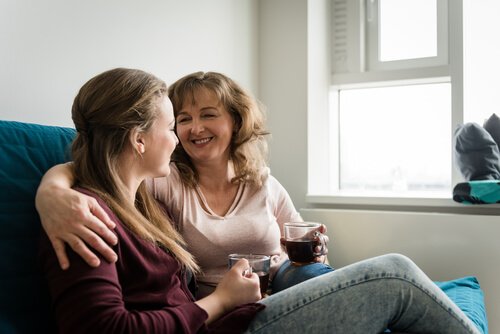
{"points": [[71, 217], [238, 287], [323, 258], [233, 290]]}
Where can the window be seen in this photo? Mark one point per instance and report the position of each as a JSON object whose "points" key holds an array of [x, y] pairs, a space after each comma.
{"points": [[396, 94], [395, 140], [406, 33]]}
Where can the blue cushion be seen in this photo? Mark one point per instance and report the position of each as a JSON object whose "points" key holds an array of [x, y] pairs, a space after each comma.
{"points": [[26, 152], [469, 297]]}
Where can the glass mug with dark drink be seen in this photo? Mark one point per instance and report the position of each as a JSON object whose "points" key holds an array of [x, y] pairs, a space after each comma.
{"points": [[259, 264], [301, 239]]}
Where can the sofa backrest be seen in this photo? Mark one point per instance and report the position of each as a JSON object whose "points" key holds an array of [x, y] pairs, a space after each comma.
{"points": [[26, 152]]}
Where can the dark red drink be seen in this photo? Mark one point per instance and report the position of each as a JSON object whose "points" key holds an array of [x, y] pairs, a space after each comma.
{"points": [[300, 251], [264, 281]]}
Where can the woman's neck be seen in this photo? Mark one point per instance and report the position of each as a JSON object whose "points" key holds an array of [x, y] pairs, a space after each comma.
{"points": [[130, 179], [215, 176], [216, 186]]}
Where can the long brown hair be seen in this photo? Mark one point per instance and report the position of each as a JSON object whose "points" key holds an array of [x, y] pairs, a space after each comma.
{"points": [[248, 148], [105, 112]]}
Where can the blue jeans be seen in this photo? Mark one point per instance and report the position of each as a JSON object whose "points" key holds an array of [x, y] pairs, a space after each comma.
{"points": [[388, 291], [289, 275]]}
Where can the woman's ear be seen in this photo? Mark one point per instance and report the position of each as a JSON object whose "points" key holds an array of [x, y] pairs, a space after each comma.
{"points": [[138, 141]]}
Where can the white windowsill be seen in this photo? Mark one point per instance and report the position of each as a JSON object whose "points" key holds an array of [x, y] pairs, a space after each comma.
{"points": [[403, 202]]}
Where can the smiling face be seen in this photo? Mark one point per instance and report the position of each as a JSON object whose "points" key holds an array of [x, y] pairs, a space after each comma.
{"points": [[205, 127]]}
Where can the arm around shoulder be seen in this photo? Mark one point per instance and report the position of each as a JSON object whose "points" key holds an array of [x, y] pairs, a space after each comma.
{"points": [[68, 216]]}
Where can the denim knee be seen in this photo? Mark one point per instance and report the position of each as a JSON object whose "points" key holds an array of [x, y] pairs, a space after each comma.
{"points": [[289, 275], [399, 261]]}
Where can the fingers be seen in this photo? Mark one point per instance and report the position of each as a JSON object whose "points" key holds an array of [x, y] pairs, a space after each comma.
{"points": [[320, 259], [85, 238], [323, 228], [81, 249], [80, 221], [58, 246], [94, 232], [100, 227], [101, 215], [242, 267]]}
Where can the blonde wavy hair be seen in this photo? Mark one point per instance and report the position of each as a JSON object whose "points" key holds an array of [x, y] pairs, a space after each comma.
{"points": [[248, 147], [105, 112]]}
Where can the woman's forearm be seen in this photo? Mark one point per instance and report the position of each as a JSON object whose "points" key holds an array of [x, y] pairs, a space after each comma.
{"points": [[59, 176]]}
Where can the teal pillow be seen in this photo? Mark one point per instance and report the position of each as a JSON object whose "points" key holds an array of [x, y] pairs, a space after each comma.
{"points": [[26, 152], [469, 297], [477, 192]]}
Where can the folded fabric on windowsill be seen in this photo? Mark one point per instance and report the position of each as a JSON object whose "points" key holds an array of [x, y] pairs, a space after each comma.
{"points": [[477, 192]]}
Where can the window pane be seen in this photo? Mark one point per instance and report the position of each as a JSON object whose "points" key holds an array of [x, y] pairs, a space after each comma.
{"points": [[396, 139], [408, 29]]}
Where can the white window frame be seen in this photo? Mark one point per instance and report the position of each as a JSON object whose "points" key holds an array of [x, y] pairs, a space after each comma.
{"points": [[352, 70], [372, 33]]}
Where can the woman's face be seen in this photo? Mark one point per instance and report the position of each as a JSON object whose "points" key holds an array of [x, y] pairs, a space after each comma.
{"points": [[205, 128], [160, 141]]}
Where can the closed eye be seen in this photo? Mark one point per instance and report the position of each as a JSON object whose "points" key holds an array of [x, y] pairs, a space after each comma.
{"points": [[183, 119]]}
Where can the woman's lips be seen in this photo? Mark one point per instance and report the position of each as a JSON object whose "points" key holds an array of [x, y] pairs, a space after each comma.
{"points": [[201, 141]]}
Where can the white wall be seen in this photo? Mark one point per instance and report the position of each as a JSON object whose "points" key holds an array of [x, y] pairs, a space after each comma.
{"points": [[49, 48], [445, 246], [283, 89]]}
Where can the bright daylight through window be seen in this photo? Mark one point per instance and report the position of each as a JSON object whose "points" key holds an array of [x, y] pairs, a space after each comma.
{"points": [[395, 139]]}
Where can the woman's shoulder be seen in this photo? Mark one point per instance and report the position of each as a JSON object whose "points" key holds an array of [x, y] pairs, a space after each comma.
{"points": [[96, 196], [102, 203], [269, 184], [268, 179], [93, 194]]}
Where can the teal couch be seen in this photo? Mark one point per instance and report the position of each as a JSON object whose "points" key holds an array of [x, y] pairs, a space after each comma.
{"points": [[26, 152]]}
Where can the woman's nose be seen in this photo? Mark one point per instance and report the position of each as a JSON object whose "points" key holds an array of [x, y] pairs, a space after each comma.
{"points": [[197, 127]]}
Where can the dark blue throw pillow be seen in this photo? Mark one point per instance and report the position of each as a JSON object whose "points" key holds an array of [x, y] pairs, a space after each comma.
{"points": [[26, 152]]}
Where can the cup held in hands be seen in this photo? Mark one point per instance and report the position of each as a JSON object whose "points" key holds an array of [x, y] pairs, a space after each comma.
{"points": [[301, 240], [259, 264]]}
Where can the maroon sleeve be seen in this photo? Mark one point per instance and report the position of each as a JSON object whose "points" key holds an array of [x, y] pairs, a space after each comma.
{"points": [[91, 300]]}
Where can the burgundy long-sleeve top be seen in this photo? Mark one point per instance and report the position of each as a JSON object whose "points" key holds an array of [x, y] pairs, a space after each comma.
{"points": [[145, 291]]}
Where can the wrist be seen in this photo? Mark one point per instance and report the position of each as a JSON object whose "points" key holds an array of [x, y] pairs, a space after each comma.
{"points": [[214, 305]]}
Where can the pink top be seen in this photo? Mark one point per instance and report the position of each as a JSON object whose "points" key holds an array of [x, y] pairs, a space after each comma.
{"points": [[252, 225]]}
